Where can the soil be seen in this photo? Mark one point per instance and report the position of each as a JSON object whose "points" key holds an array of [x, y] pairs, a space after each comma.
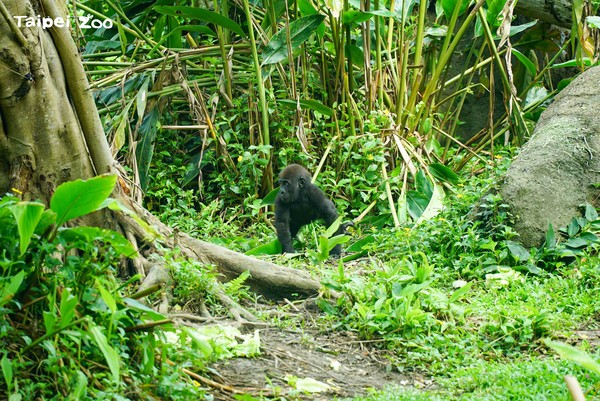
{"points": [[339, 359]]}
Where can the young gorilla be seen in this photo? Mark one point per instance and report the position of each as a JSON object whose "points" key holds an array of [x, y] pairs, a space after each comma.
{"points": [[300, 202]]}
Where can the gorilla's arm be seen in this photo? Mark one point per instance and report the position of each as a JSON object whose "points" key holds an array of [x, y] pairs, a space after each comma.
{"points": [[282, 225]]}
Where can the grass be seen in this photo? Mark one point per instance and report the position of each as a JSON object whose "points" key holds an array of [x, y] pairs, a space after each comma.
{"points": [[482, 345]]}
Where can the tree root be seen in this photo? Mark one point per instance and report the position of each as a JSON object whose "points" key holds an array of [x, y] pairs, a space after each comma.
{"points": [[266, 278]]}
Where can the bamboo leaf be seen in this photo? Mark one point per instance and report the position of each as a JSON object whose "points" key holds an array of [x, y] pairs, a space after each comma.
{"points": [[300, 30], [202, 14], [145, 149], [308, 104]]}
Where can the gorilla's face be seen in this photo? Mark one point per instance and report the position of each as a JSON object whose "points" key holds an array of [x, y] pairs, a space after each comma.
{"points": [[289, 190]]}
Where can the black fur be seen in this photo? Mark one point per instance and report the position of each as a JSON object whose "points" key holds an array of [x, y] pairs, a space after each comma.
{"points": [[300, 202]]}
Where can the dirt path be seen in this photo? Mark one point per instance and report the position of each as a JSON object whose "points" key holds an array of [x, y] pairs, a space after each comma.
{"points": [[339, 359]]}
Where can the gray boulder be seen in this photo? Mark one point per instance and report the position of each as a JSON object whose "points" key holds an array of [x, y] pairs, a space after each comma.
{"points": [[556, 170]]}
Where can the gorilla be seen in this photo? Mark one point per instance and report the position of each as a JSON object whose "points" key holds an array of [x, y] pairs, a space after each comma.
{"points": [[300, 202]]}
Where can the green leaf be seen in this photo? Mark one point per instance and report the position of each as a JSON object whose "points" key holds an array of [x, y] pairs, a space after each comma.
{"points": [[107, 297], [270, 248], [79, 388], [202, 14], [423, 185], [417, 203], [449, 5], [110, 354], [358, 245], [77, 198], [590, 212], [68, 307], [443, 173], [7, 372], [525, 61], [270, 198], [308, 104], [356, 17], [576, 242], [584, 62], [517, 251], [514, 29], [145, 149], [435, 204], [460, 292], [49, 321], [494, 8], [8, 291], [122, 35], [27, 215], [141, 98], [573, 227], [91, 234], [333, 227], [574, 355], [200, 341], [355, 54], [550, 237], [300, 30], [191, 28]]}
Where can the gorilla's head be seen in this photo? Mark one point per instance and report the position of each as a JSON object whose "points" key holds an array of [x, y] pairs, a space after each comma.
{"points": [[292, 181]]}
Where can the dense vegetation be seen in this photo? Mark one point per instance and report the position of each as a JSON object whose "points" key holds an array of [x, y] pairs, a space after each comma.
{"points": [[374, 96]]}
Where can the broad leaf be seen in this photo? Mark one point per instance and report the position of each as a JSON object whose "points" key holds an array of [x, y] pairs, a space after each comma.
{"points": [[78, 198], [9, 290], [356, 17], [270, 198], [417, 203], [300, 30], [435, 205], [443, 173], [27, 215], [517, 251], [91, 234], [449, 5]]}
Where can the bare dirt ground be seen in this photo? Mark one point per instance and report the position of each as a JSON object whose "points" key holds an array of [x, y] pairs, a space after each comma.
{"points": [[349, 366]]}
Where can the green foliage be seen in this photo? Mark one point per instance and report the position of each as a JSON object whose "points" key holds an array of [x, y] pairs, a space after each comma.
{"points": [[83, 331], [386, 302]]}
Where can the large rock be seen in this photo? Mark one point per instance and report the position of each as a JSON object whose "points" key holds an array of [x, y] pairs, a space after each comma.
{"points": [[555, 171]]}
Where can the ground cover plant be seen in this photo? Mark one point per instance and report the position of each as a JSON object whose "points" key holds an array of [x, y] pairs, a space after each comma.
{"points": [[407, 114]]}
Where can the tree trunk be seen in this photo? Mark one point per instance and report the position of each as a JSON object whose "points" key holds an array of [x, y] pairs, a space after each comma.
{"points": [[50, 132]]}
